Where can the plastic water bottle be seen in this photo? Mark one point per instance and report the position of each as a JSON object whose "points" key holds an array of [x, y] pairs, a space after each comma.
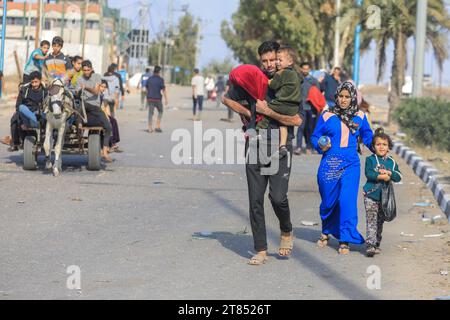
{"points": [[324, 141]]}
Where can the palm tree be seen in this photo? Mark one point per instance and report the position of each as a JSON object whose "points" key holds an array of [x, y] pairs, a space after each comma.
{"points": [[398, 23]]}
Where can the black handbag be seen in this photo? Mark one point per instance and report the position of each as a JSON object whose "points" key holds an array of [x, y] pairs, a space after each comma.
{"points": [[388, 205]]}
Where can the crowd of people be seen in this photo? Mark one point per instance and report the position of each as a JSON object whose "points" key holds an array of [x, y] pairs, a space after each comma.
{"points": [[101, 94], [278, 95], [256, 94]]}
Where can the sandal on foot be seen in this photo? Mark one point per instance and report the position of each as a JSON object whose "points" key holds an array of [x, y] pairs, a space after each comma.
{"points": [[323, 241], [344, 249], [286, 245], [258, 259]]}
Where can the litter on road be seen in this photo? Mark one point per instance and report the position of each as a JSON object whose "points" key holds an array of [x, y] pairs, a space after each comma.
{"points": [[406, 234], [433, 235], [423, 204], [309, 223]]}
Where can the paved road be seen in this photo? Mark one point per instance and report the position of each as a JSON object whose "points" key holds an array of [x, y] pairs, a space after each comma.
{"points": [[129, 228]]}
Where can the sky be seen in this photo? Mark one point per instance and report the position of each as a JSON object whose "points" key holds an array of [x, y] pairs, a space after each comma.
{"points": [[213, 12]]}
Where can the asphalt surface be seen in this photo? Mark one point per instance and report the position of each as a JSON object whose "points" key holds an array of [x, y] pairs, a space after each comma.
{"points": [[129, 228]]}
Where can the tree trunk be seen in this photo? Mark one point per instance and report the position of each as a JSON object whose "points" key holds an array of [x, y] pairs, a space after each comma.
{"points": [[398, 73]]}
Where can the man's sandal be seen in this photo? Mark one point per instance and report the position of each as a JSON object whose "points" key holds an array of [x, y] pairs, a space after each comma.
{"points": [[286, 245], [257, 260], [344, 249], [323, 241]]}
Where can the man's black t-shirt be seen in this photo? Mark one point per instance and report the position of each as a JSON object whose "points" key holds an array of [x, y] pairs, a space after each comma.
{"points": [[33, 99]]}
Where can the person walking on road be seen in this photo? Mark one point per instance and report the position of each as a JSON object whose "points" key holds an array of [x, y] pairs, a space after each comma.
{"points": [[198, 94], [113, 91], [380, 170], [330, 84], [309, 123], [156, 89], [336, 137], [257, 181], [143, 86], [220, 89]]}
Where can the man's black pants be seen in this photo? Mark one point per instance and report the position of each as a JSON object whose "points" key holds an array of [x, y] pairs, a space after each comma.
{"points": [[278, 188]]}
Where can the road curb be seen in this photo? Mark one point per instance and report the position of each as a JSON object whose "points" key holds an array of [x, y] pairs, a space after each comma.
{"points": [[427, 173]]}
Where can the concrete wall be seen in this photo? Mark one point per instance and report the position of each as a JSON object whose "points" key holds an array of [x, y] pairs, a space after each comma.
{"points": [[97, 54]]}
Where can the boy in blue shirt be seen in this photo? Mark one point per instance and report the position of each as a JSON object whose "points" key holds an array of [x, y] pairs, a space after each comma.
{"points": [[380, 168], [36, 60]]}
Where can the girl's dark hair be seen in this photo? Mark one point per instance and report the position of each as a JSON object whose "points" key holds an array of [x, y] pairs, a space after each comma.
{"points": [[76, 58], [45, 43], [105, 83], [379, 133]]}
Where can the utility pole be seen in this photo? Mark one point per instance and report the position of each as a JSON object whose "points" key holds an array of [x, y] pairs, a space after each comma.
{"points": [[356, 57], [30, 6], [37, 36], [86, 6], [337, 37], [168, 33], [419, 56], [2, 51], [142, 44], [63, 18]]}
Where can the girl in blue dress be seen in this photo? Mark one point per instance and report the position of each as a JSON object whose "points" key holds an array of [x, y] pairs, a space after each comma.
{"points": [[340, 168]]}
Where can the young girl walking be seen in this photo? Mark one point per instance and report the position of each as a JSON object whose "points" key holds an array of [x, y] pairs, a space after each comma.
{"points": [[380, 169]]}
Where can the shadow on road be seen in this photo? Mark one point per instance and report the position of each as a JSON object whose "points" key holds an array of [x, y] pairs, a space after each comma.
{"points": [[312, 236], [312, 263]]}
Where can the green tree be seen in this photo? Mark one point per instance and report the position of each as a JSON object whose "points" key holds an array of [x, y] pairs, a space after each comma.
{"points": [[306, 25], [398, 24], [183, 52], [216, 67]]}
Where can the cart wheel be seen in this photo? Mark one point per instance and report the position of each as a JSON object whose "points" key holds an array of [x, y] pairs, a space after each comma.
{"points": [[94, 147], [29, 155]]}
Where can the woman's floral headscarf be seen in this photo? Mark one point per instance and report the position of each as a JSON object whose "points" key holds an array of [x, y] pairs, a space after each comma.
{"points": [[346, 115]]}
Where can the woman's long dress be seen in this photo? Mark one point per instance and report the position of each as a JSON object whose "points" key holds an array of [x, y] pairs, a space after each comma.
{"points": [[339, 175]]}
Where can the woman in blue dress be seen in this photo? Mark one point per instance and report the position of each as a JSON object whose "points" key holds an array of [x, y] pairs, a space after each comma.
{"points": [[340, 168]]}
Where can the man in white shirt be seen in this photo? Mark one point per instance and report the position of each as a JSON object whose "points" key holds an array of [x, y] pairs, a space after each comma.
{"points": [[198, 93]]}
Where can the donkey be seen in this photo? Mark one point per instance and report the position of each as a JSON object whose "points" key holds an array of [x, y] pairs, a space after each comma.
{"points": [[58, 108]]}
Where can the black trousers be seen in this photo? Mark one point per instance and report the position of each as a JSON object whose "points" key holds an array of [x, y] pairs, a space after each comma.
{"points": [[96, 117], [307, 129], [278, 188], [16, 131]]}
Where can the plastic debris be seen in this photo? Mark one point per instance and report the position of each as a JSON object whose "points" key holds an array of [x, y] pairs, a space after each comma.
{"points": [[20, 202], [158, 182], [439, 220], [444, 273], [425, 219], [406, 234], [309, 223], [443, 298], [203, 235], [76, 199], [422, 204], [433, 235]]}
